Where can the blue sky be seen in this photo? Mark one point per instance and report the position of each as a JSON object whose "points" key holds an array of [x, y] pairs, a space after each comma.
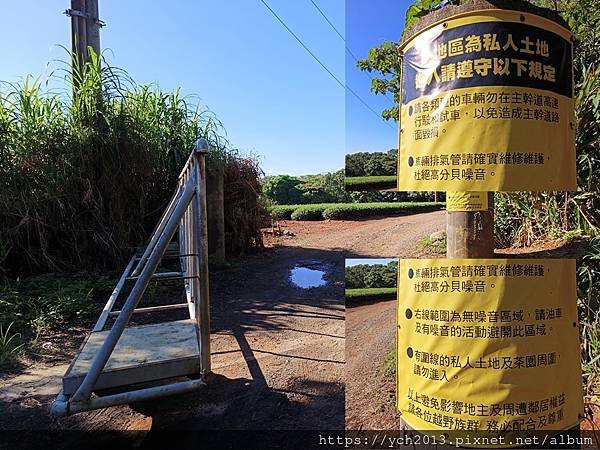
{"points": [[369, 24], [272, 97], [370, 261]]}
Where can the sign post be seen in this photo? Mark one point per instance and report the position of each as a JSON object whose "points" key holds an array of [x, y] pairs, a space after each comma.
{"points": [[487, 105], [470, 224]]}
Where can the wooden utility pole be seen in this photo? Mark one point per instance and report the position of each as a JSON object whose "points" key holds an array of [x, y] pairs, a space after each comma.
{"points": [[471, 234], [85, 28]]}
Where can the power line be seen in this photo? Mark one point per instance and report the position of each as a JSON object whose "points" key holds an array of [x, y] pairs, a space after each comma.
{"points": [[329, 22], [321, 63], [346, 45]]}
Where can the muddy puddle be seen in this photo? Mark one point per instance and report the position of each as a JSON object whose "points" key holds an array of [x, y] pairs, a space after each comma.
{"points": [[307, 276]]}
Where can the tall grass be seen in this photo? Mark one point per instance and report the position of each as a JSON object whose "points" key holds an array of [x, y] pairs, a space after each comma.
{"points": [[245, 212], [86, 169], [588, 293], [525, 217]]}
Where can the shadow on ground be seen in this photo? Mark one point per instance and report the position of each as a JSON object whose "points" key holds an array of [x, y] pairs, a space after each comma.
{"points": [[252, 303]]}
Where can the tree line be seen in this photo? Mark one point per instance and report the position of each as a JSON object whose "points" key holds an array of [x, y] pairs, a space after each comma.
{"points": [[366, 276], [366, 164], [328, 188]]}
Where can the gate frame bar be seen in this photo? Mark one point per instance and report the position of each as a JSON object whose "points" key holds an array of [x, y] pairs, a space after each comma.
{"points": [[186, 211]]}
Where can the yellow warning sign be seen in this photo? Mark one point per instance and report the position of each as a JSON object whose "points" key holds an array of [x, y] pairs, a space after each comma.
{"points": [[466, 201], [488, 346], [487, 105]]}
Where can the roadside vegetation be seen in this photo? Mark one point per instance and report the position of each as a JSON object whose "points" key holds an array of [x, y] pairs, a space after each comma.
{"points": [[388, 367], [349, 211], [434, 244], [371, 182], [371, 282], [88, 162], [39, 304], [371, 170], [323, 196], [370, 294]]}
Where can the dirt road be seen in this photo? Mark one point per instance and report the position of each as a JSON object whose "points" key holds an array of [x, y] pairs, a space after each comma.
{"points": [[277, 350], [385, 237], [370, 334]]}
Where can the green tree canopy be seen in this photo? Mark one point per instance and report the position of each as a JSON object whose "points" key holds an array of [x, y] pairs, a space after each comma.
{"points": [[371, 276], [371, 163], [282, 189]]}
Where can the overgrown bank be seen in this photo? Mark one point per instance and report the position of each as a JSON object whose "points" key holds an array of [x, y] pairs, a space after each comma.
{"points": [[86, 169]]}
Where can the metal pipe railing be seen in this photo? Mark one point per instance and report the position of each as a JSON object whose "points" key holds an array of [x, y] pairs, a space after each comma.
{"points": [[149, 309], [202, 300], [113, 297], [62, 407], [84, 391], [156, 233], [186, 210]]}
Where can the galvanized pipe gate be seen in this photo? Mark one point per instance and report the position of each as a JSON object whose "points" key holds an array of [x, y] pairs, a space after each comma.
{"points": [[186, 212]]}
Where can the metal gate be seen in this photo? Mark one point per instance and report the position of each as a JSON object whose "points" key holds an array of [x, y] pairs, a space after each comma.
{"points": [[123, 356]]}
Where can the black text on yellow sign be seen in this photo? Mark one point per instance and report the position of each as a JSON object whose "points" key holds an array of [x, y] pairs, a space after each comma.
{"points": [[476, 336], [487, 105]]}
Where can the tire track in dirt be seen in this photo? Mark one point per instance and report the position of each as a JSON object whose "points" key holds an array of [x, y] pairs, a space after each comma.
{"points": [[382, 237], [278, 350]]}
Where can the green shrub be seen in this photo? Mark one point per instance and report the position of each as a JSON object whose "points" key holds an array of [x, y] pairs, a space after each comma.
{"points": [[283, 212], [370, 294], [358, 210], [376, 182], [348, 211], [308, 212], [282, 189]]}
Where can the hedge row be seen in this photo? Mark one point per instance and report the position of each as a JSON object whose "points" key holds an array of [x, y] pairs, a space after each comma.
{"points": [[283, 212], [371, 294], [365, 183], [341, 211], [357, 210]]}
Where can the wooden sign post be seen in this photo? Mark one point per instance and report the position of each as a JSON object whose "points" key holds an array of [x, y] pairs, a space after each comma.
{"points": [[470, 234], [486, 106]]}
